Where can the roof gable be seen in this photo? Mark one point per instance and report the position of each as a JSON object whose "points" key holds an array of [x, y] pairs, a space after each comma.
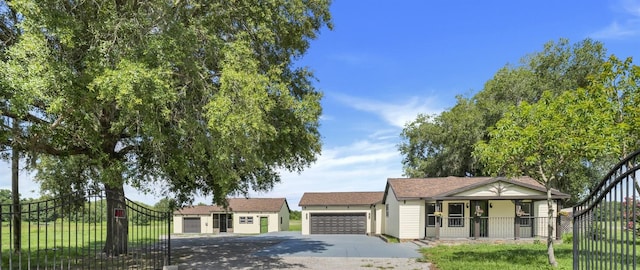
{"points": [[340, 198]]}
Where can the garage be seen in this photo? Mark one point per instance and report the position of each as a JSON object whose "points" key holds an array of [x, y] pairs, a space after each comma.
{"points": [[191, 225], [338, 223]]}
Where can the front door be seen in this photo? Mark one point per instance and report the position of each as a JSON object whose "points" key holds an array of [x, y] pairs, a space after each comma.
{"points": [[479, 209], [223, 222], [264, 224]]}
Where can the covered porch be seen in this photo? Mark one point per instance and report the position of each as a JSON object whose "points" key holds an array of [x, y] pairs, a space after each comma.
{"points": [[491, 218]]}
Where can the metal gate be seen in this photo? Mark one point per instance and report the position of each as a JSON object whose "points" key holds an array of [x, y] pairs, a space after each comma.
{"points": [[605, 224], [70, 232]]}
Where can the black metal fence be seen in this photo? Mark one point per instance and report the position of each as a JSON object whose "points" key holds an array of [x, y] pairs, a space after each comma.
{"points": [[605, 224], [70, 232]]}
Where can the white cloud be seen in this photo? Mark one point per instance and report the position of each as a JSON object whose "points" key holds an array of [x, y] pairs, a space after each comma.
{"points": [[618, 31], [396, 114], [625, 25]]}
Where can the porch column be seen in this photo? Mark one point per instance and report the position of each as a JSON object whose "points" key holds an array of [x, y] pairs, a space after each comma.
{"points": [[558, 219], [476, 221], [516, 220], [438, 219]]}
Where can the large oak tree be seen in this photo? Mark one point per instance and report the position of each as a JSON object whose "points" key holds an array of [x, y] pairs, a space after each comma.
{"points": [[196, 96]]}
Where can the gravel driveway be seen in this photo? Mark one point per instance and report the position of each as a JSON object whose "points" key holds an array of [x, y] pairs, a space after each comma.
{"points": [[290, 250]]}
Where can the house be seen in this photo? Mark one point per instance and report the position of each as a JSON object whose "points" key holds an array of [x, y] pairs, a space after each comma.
{"points": [[342, 213], [243, 215], [464, 207]]}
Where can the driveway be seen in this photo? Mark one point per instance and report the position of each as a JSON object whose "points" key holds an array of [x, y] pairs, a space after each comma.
{"points": [[290, 250]]}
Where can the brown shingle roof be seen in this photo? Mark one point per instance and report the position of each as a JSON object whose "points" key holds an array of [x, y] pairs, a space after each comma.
{"points": [[340, 198], [408, 188], [237, 205]]}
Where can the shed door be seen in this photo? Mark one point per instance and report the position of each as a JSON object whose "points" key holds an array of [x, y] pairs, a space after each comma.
{"points": [[338, 223], [191, 225]]}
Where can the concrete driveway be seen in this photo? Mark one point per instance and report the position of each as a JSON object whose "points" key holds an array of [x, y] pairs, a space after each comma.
{"points": [[290, 250]]}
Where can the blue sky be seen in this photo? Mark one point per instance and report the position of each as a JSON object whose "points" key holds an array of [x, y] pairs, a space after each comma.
{"points": [[387, 61]]}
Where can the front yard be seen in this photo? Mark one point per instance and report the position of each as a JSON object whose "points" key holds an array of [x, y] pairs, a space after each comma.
{"points": [[496, 256]]}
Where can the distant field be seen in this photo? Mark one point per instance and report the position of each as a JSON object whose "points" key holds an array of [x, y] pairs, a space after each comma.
{"points": [[295, 225]]}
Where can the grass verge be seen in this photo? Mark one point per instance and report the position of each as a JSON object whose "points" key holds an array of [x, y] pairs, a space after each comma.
{"points": [[497, 256], [295, 225]]}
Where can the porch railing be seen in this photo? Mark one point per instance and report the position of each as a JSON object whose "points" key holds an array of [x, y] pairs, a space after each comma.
{"points": [[69, 232], [494, 227]]}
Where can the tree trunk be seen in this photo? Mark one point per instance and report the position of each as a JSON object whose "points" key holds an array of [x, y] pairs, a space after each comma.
{"points": [[15, 195], [117, 225], [550, 251]]}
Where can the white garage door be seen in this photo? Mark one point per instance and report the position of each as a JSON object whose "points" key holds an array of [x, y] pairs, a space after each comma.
{"points": [[191, 225], [338, 223]]}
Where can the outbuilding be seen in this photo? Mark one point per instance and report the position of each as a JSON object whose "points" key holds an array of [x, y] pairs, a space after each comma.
{"points": [[242, 215]]}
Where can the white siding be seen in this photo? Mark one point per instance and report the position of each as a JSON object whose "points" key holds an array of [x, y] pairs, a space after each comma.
{"points": [[541, 212], [392, 216], [379, 219], [411, 219], [308, 210], [177, 224], [501, 219], [254, 228], [284, 217]]}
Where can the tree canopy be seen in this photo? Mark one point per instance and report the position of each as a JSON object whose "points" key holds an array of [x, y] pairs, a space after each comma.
{"points": [[199, 96], [442, 145]]}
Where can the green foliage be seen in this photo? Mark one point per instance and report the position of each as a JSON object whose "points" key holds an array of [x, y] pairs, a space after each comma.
{"points": [[165, 205], [567, 238], [442, 145], [194, 96], [295, 215]]}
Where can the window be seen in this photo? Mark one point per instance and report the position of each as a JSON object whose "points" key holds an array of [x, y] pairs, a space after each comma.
{"points": [[280, 220], [386, 208], [456, 215], [216, 221], [230, 221], [525, 217], [431, 217], [246, 220]]}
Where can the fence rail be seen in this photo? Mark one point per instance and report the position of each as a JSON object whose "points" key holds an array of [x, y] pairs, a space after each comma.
{"points": [[605, 224], [70, 232]]}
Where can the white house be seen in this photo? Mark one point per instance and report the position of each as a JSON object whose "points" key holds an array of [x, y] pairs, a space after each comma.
{"points": [[243, 215], [463, 207]]}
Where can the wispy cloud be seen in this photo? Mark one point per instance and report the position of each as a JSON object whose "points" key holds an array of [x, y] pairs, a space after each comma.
{"points": [[397, 114], [360, 166], [625, 25]]}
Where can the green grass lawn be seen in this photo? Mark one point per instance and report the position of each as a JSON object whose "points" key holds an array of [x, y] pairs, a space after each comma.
{"points": [[295, 225], [497, 256], [63, 238]]}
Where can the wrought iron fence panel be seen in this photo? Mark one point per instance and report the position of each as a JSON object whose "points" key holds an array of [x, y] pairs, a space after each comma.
{"points": [[69, 232], [605, 223]]}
